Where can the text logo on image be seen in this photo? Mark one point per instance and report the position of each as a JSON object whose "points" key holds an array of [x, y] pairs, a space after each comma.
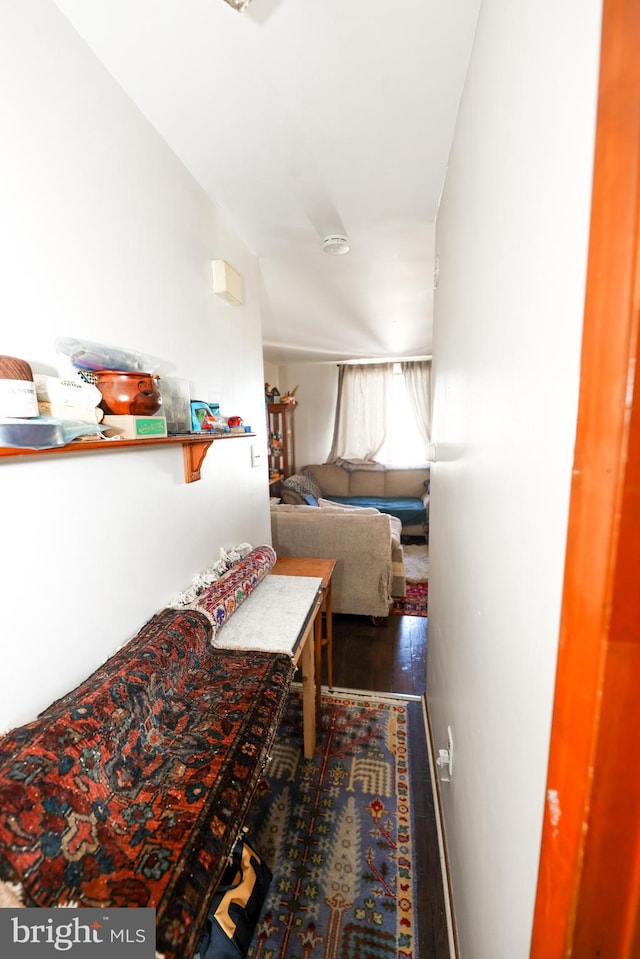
{"points": [[79, 933]]}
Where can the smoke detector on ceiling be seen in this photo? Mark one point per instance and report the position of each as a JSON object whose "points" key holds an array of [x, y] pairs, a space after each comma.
{"points": [[336, 243]]}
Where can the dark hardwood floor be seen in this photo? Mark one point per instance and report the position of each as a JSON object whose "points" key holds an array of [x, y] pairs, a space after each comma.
{"points": [[389, 658], [392, 658]]}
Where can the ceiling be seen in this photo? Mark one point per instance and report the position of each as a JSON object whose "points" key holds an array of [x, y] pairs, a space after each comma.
{"points": [[301, 118]]}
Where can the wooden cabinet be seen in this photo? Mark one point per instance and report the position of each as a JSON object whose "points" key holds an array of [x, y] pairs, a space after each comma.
{"points": [[282, 440]]}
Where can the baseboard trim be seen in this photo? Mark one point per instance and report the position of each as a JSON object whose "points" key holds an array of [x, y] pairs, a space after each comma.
{"points": [[365, 693], [442, 845]]}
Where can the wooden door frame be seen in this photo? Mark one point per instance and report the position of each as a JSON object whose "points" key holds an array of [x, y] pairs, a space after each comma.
{"points": [[589, 876]]}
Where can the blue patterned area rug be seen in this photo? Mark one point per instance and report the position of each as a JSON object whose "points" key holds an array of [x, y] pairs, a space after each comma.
{"points": [[337, 834]]}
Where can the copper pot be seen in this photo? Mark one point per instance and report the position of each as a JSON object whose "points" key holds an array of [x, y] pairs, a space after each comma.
{"points": [[128, 392]]}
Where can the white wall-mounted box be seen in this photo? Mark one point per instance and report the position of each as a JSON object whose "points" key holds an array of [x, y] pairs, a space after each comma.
{"points": [[226, 282]]}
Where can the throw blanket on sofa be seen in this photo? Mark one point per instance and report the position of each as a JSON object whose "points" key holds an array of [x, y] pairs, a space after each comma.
{"points": [[409, 510], [129, 790]]}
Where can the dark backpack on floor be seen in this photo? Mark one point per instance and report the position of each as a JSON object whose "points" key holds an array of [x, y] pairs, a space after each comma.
{"points": [[236, 907]]}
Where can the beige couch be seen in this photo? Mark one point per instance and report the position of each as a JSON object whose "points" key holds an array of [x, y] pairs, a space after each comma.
{"points": [[380, 483], [365, 543]]}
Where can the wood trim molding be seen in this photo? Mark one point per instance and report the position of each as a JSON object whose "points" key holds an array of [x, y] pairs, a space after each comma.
{"points": [[588, 884]]}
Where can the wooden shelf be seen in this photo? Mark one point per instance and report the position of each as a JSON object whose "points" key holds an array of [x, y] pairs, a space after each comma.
{"points": [[194, 448], [281, 423]]}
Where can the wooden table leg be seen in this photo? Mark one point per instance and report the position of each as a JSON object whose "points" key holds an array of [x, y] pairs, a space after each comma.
{"points": [[329, 616], [307, 666], [323, 569], [317, 645]]}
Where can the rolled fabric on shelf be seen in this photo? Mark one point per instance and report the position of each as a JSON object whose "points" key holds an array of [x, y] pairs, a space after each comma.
{"points": [[220, 599]]}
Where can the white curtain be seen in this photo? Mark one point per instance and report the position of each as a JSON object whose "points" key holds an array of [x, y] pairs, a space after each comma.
{"points": [[417, 381], [361, 411]]}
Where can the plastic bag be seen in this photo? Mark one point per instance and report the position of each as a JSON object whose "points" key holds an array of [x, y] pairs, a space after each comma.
{"points": [[44, 432], [88, 355]]}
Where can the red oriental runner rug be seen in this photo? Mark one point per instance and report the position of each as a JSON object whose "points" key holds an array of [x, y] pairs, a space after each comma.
{"points": [[415, 603], [337, 833]]}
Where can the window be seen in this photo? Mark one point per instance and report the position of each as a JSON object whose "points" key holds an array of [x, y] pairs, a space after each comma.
{"points": [[403, 445], [383, 413]]}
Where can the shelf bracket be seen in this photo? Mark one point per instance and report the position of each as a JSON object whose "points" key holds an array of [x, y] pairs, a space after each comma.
{"points": [[194, 454]]}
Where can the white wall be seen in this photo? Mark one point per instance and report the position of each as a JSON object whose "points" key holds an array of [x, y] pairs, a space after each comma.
{"points": [[315, 413], [104, 235], [512, 242], [316, 394], [271, 373]]}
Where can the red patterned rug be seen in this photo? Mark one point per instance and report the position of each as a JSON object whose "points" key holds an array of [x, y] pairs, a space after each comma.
{"points": [[337, 832], [127, 791], [415, 603]]}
